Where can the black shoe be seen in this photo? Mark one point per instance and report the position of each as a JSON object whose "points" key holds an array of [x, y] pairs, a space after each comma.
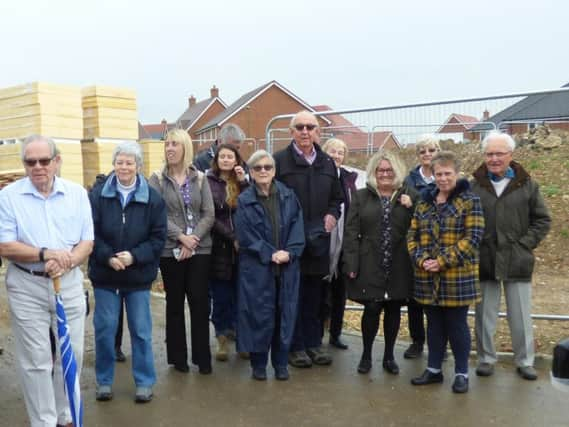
{"points": [[259, 373], [119, 355], [281, 373], [414, 351], [104, 393], [364, 366], [460, 384], [319, 356], [338, 343], [182, 367], [391, 367], [427, 378], [205, 370]]}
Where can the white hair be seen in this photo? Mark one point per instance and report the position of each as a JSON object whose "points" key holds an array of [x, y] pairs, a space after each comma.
{"points": [[499, 135]]}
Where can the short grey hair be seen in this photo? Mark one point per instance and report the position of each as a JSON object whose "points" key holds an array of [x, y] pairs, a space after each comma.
{"points": [[258, 155], [293, 120], [499, 135], [129, 148], [446, 158], [427, 140], [231, 133], [35, 138], [399, 169]]}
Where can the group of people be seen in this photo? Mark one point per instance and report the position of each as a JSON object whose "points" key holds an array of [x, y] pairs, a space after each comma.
{"points": [[269, 249]]}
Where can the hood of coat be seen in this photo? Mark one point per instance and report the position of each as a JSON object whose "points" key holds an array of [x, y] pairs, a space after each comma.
{"points": [[521, 177], [462, 185], [141, 193]]}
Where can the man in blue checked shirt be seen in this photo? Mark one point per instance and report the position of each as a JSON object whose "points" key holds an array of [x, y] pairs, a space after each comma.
{"points": [[46, 230]]}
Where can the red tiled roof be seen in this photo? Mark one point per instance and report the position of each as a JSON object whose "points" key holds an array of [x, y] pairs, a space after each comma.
{"points": [[457, 123], [338, 121], [358, 140]]}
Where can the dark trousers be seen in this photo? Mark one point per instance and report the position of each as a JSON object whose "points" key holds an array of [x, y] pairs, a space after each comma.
{"points": [[279, 355], [187, 279], [224, 312], [334, 304], [308, 328], [118, 336], [416, 322], [370, 326], [448, 324]]}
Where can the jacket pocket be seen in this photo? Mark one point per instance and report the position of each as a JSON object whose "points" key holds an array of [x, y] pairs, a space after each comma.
{"points": [[521, 262]]}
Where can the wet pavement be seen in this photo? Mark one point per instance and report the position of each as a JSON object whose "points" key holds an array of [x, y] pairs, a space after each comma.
{"points": [[321, 396]]}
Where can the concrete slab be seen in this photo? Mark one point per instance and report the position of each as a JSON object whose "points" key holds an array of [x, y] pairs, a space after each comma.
{"points": [[321, 396]]}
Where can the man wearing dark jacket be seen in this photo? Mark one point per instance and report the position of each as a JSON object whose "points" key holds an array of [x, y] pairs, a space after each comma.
{"points": [[305, 168], [516, 221], [229, 134]]}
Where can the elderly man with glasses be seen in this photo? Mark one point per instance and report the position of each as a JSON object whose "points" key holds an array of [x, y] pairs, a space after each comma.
{"points": [[312, 175], [46, 231], [517, 220]]}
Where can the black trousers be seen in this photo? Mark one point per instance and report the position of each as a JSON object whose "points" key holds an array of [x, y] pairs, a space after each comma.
{"points": [[118, 336], [334, 304], [187, 279], [308, 328], [416, 322], [370, 326]]}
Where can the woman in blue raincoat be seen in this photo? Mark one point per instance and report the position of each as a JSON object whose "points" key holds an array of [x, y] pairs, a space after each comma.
{"points": [[270, 232]]}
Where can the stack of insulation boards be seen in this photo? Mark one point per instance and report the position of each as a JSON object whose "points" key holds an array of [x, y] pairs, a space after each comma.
{"points": [[109, 118], [109, 112], [47, 109], [153, 152]]}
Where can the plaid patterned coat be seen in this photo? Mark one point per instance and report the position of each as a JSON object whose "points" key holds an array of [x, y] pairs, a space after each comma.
{"points": [[451, 234]]}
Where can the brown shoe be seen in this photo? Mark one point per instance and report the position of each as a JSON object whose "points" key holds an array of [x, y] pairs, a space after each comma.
{"points": [[222, 352]]}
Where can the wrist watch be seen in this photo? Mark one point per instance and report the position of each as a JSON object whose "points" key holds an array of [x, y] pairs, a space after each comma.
{"points": [[42, 254]]}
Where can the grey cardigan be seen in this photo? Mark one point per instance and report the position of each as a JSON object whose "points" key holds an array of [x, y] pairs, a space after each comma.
{"points": [[201, 204]]}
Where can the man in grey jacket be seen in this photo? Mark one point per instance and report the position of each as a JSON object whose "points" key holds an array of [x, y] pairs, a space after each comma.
{"points": [[517, 220]]}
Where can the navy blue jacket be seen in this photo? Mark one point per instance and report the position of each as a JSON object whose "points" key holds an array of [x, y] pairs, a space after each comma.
{"points": [[256, 287], [415, 180], [139, 228]]}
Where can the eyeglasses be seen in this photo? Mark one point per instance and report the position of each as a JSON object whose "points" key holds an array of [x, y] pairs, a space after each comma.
{"points": [[259, 168], [32, 162], [431, 150], [498, 154], [384, 171], [300, 127]]}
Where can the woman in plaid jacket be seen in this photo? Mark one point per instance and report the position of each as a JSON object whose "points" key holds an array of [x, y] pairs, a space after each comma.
{"points": [[443, 241]]}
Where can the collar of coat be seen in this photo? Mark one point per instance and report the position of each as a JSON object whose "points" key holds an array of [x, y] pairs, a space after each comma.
{"points": [[462, 185], [192, 172], [141, 193], [249, 196], [521, 177], [321, 156]]}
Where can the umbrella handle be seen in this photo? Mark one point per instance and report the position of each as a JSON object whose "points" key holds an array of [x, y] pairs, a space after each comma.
{"points": [[57, 284]]}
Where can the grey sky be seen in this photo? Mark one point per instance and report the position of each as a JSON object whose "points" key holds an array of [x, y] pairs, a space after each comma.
{"points": [[342, 53]]}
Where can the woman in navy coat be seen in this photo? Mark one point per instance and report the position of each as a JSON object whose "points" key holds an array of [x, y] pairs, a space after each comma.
{"points": [[270, 232]]}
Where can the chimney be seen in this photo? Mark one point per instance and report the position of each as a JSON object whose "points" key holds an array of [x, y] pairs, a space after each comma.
{"points": [[485, 115], [163, 122], [214, 91], [192, 100]]}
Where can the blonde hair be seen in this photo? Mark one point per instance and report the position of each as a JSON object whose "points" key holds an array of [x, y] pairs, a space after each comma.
{"points": [[399, 169], [180, 136], [338, 143], [427, 140]]}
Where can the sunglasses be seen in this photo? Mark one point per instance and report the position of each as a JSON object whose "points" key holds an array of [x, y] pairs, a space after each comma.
{"points": [[32, 162], [300, 127], [259, 168], [431, 150]]}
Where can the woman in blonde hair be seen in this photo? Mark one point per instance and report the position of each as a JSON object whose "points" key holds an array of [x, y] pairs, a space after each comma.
{"points": [[185, 260], [226, 180], [375, 255]]}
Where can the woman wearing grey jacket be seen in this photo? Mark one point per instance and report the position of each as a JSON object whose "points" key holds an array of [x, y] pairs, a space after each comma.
{"points": [[184, 262]]}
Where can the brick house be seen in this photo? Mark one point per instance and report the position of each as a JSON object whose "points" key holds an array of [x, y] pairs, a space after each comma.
{"points": [[463, 124], [252, 112]]}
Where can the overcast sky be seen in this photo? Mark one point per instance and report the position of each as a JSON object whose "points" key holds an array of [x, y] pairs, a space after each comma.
{"points": [[346, 54]]}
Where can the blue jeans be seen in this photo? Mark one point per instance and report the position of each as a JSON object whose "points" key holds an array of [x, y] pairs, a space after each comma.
{"points": [[446, 324], [105, 320], [224, 313]]}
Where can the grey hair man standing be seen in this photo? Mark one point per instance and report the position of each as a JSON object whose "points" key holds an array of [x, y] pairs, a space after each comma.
{"points": [[517, 220]]}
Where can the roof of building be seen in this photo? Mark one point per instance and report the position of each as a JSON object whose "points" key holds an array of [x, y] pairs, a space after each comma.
{"points": [[458, 123], [358, 140], [143, 133], [533, 107], [157, 131], [193, 113], [244, 100]]}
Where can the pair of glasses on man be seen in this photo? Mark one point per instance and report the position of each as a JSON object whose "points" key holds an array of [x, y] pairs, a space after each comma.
{"points": [[430, 150], [43, 162], [300, 127], [259, 168]]}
